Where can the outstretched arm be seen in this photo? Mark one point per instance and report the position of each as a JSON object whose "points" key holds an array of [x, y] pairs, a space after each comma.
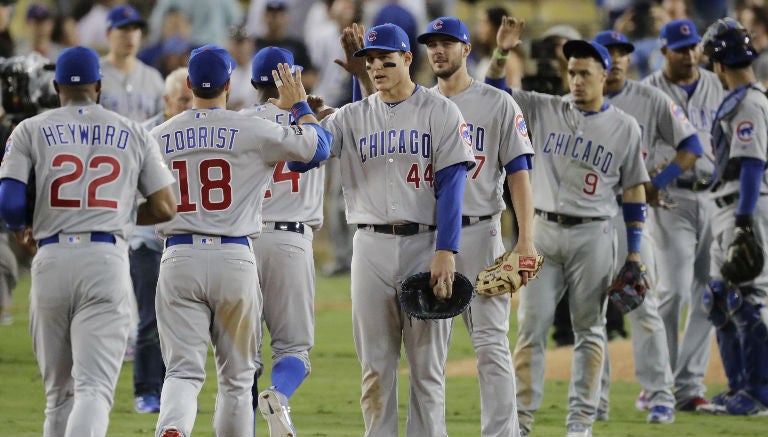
{"points": [[507, 38], [351, 40]]}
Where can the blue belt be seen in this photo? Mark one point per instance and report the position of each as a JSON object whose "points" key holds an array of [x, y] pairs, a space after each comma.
{"points": [[96, 237], [189, 239]]}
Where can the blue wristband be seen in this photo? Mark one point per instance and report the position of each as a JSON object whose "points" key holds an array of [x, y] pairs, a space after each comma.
{"points": [[666, 176], [634, 235], [300, 109], [634, 212]]}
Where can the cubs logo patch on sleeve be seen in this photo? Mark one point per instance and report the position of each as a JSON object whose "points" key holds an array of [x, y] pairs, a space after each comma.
{"points": [[745, 130], [677, 111], [465, 135], [520, 125]]}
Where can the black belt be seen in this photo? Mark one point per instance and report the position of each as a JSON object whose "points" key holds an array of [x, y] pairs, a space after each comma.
{"points": [[400, 230], [297, 227], [96, 237], [189, 239], [697, 185], [471, 220], [724, 201], [567, 220]]}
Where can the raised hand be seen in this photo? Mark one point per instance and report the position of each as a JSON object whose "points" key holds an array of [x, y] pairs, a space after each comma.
{"points": [[289, 86]]}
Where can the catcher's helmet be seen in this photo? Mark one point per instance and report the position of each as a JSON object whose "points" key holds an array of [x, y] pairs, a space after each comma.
{"points": [[727, 41]]}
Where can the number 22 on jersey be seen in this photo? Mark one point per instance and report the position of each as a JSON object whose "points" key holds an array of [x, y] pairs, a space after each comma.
{"points": [[75, 171]]}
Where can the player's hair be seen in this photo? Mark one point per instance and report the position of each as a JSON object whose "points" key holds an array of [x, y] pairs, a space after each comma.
{"points": [[177, 78], [207, 93]]}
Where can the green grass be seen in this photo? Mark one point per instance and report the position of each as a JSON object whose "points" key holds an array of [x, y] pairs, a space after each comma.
{"points": [[327, 403]]}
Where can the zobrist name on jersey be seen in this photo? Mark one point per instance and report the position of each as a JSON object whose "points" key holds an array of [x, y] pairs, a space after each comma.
{"points": [[200, 137], [85, 134], [558, 143]]}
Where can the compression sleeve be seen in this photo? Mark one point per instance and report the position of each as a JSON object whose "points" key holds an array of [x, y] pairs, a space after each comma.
{"points": [[324, 140], [750, 179], [450, 193], [13, 203]]}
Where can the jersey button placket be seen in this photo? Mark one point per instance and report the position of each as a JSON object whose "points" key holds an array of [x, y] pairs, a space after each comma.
{"points": [[391, 172]]}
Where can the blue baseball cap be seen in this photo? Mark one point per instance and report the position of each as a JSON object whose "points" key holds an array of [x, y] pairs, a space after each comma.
{"points": [[266, 60], [450, 26], [77, 66], [584, 49], [385, 37], [679, 33], [124, 15], [611, 38], [210, 66]]}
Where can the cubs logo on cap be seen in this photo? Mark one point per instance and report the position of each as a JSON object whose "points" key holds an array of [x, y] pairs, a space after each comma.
{"points": [[611, 38], [449, 26], [679, 33], [387, 37], [124, 15]]}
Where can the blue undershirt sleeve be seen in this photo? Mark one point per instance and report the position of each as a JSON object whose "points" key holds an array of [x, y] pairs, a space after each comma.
{"points": [[450, 194], [13, 203], [691, 144], [356, 93], [324, 140], [500, 83], [750, 179], [522, 162]]}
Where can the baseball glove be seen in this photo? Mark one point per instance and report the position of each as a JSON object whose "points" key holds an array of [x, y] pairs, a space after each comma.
{"points": [[627, 291], [744, 258], [505, 275], [419, 301]]}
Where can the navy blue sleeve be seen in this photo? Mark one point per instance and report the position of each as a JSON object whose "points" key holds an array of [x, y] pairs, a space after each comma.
{"points": [[450, 194], [356, 93], [500, 83], [691, 144], [750, 179], [522, 162], [13, 203], [324, 140]]}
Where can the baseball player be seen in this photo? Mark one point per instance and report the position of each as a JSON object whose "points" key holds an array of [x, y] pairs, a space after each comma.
{"points": [[208, 289], [586, 151], [134, 90], [144, 255], [499, 139], [737, 306], [682, 235], [292, 212], [665, 130], [88, 164], [131, 88], [404, 152]]}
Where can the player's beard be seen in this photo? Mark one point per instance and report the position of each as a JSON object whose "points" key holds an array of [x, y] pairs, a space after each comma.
{"points": [[453, 67]]}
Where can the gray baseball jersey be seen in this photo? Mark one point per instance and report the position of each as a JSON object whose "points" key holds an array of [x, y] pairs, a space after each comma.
{"points": [[373, 133], [682, 238], [207, 185], [700, 108], [88, 165], [663, 125], [291, 196], [498, 135], [208, 287], [582, 161], [592, 156], [663, 122], [137, 95], [389, 154], [84, 185], [284, 254]]}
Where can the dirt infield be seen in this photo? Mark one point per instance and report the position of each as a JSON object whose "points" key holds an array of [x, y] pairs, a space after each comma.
{"points": [[622, 364]]}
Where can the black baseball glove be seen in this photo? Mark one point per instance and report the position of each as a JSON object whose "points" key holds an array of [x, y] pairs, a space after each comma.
{"points": [[627, 291], [744, 258], [419, 301]]}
